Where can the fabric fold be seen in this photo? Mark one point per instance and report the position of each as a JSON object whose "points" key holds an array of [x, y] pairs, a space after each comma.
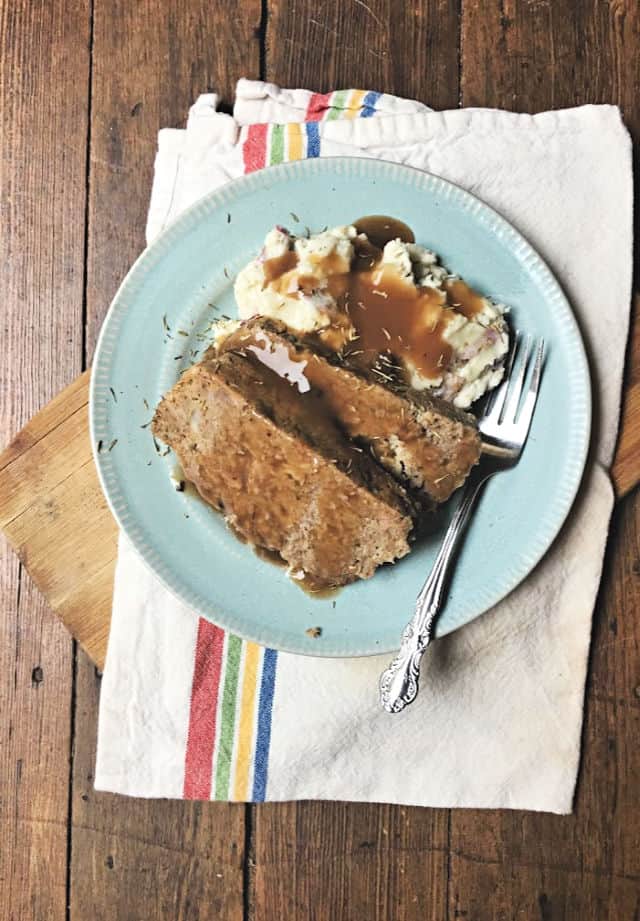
{"points": [[190, 711]]}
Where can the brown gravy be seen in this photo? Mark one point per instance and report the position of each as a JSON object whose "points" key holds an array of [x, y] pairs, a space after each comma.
{"points": [[269, 556], [389, 316], [380, 228], [317, 590], [279, 265], [308, 585], [366, 255], [463, 298]]}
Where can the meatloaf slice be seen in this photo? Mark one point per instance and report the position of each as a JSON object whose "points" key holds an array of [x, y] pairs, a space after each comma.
{"points": [[427, 443], [282, 472]]}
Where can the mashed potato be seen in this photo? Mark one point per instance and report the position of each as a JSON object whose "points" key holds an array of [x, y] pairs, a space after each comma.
{"points": [[305, 283]]}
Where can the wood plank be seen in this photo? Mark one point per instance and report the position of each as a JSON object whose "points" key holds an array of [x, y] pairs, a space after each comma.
{"points": [[384, 880], [335, 860], [626, 466], [528, 57], [53, 461], [89, 562], [57, 411], [409, 49], [615, 690], [151, 60], [44, 70], [55, 515], [587, 865], [349, 861], [35, 701], [139, 859]]}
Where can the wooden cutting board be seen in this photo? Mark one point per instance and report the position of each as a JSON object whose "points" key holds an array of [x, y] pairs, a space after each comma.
{"points": [[54, 514]]}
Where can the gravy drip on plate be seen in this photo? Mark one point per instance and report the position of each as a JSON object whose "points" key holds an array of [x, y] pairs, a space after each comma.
{"points": [[308, 584], [380, 228]]}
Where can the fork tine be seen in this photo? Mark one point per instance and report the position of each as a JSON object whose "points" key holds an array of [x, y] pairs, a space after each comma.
{"points": [[493, 408], [529, 404], [515, 391]]}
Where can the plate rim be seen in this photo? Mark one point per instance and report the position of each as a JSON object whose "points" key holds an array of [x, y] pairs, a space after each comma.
{"points": [[223, 195]]}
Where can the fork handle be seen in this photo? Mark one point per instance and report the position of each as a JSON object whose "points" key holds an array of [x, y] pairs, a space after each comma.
{"points": [[399, 682]]}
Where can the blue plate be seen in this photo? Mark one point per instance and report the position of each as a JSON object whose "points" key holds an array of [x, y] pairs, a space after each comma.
{"points": [[184, 279]]}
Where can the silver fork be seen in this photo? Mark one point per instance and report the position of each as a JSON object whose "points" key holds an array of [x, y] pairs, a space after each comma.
{"points": [[504, 428]]}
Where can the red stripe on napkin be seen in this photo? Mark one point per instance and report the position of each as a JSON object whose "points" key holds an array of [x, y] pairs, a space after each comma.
{"points": [[254, 149], [201, 734], [318, 105]]}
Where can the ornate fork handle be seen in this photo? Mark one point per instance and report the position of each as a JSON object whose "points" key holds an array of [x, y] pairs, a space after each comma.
{"points": [[399, 682]]}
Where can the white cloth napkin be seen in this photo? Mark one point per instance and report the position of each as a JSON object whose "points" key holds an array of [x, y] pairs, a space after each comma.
{"points": [[188, 711]]}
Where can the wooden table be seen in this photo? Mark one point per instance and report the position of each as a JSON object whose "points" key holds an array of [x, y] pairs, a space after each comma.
{"points": [[85, 85]]}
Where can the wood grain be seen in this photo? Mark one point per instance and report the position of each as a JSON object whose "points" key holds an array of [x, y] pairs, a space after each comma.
{"points": [[151, 59], [138, 859], [44, 66], [529, 57], [54, 513], [145, 859], [349, 861], [626, 466], [409, 49], [587, 865]]}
